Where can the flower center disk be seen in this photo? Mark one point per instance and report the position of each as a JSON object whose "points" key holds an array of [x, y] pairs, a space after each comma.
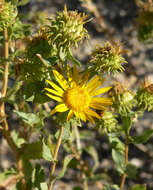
{"points": [[77, 99]]}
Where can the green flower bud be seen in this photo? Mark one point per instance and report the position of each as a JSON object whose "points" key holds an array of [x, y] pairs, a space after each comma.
{"points": [[67, 29], [39, 45], [107, 59], [144, 96], [123, 99], [107, 123], [8, 13], [145, 23]]}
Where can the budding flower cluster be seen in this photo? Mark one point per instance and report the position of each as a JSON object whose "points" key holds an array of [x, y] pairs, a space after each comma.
{"points": [[107, 123], [108, 59], [145, 23], [67, 29], [33, 68], [144, 96], [8, 13], [38, 45], [123, 99]]}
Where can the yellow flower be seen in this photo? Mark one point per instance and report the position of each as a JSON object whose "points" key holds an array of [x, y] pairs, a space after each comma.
{"points": [[78, 96]]}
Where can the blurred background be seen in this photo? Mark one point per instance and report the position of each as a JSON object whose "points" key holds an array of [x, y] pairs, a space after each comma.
{"points": [[114, 21]]}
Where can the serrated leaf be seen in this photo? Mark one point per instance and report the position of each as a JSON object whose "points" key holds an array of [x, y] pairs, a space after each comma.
{"points": [[66, 133], [138, 187], [116, 143], [18, 140], [118, 158], [29, 118], [92, 151], [142, 138], [46, 152], [111, 187], [131, 170]]}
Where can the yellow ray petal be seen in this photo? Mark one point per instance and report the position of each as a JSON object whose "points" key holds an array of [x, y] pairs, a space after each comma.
{"points": [[83, 116], [77, 114], [70, 115], [100, 91], [94, 83], [102, 101], [89, 118], [61, 108], [54, 92], [55, 97], [97, 106], [84, 81], [53, 111], [92, 113], [55, 86], [61, 80]]}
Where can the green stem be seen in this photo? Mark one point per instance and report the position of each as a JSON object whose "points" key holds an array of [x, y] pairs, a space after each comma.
{"points": [[55, 158], [126, 162]]}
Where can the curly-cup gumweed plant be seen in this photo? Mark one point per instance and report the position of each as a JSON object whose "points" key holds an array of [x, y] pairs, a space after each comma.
{"points": [[43, 81]]}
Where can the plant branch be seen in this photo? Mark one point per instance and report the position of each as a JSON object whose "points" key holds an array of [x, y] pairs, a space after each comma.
{"points": [[55, 158], [126, 162]]}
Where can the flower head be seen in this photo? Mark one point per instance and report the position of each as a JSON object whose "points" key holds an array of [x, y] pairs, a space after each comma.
{"points": [[108, 58], [8, 13], [78, 96], [123, 99], [145, 22], [144, 96], [67, 29]]}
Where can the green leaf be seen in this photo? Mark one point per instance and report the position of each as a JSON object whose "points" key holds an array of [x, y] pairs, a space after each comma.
{"points": [[66, 133], [23, 2], [29, 118], [111, 187], [33, 150], [92, 151], [85, 134], [71, 58], [98, 177], [127, 123], [27, 169], [67, 160], [11, 94], [18, 140], [38, 176], [46, 152], [7, 173], [142, 138], [131, 170], [118, 158], [116, 143], [77, 188], [138, 187], [43, 186]]}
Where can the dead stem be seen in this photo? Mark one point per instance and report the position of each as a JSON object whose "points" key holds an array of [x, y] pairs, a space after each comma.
{"points": [[55, 158]]}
